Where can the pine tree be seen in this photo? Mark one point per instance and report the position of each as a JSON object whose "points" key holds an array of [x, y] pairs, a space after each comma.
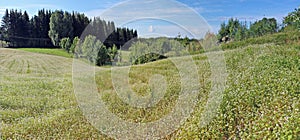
{"points": [[60, 26], [6, 26]]}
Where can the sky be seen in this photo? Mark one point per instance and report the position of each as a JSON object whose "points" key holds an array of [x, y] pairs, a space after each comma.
{"points": [[191, 18]]}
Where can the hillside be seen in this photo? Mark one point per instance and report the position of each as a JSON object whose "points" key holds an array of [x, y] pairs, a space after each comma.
{"points": [[261, 99]]}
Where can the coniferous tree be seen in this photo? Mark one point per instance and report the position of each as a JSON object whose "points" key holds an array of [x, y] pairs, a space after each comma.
{"points": [[60, 26], [6, 26]]}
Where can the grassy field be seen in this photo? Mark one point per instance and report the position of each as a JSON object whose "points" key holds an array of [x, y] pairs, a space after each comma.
{"points": [[57, 52], [261, 99]]}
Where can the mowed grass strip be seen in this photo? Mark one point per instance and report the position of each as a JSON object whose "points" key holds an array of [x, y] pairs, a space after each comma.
{"points": [[39, 104], [57, 52]]}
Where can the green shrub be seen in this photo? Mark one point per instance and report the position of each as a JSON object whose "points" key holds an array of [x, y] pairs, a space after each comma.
{"points": [[75, 43], [148, 58], [65, 43]]}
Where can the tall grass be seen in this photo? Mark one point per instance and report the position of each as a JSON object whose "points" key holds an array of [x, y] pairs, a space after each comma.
{"points": [[261, 99], [281, 38]]}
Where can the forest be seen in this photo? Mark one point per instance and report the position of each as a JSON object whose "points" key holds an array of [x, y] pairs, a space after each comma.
{"points": [[47, 28], [61, 29]]}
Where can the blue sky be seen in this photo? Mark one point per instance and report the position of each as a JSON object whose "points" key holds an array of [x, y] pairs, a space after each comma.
{"points": [[213, 11]]}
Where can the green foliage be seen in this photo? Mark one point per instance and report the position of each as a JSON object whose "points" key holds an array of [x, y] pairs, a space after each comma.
{"points": [[39, 27], [112, 52], [278, 38], [108, 34], [102, 56], [193, 46], [60, 26], [149, 57], [80, 22], [20, 31], [233, 30], [56, 52], [75, 43], [15, 27], [136, 50], [158, 48], [293, 19], [3, 44], [93, 50], [152, 49], [65, 43], [223, 32], [261, 99], [47, 29], [263, 27], [90, 48]]}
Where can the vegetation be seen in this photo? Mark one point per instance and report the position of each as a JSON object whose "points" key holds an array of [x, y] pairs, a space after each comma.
{"points": [[60, 26], [292, 21], [235, 30], [65, 43], [152, 49], [36, 98], [261, 99], [63, 29], [108, 34], [281, 38], [19, 30], [46, 29], [56, 52], [3, 44]]}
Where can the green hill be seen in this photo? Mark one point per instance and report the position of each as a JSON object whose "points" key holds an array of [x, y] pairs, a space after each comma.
{"points": [[261, 99]]}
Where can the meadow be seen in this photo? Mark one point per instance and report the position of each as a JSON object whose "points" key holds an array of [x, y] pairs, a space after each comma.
{"points": [[260, 101], [57, 52]]}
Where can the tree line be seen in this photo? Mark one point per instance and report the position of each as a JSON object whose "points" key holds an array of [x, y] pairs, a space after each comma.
{"points": [[235, 30], [47, 29]]}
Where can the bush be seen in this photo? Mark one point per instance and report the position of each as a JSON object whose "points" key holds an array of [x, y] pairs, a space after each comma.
{"points": [[92, 50], [148, 50], [3, 44], [74, 44], [148, 58], [65, 43], [278, 38]]}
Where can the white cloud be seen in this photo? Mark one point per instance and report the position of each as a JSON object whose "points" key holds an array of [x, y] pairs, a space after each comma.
{"points": [[151, 29], [165, 10]]}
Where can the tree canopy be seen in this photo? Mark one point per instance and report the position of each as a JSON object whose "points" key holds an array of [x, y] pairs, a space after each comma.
{"points": [[47, 29], [293, 19], [237, 30]]}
